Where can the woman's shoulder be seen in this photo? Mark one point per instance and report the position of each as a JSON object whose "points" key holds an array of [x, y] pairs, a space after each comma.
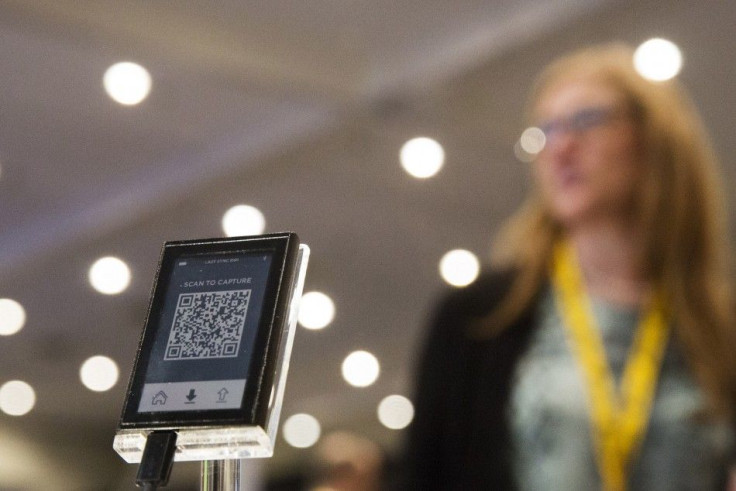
{"points": [[449, 340]]}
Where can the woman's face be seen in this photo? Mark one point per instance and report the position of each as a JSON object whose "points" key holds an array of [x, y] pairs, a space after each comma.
{"points": [[589, 167]]}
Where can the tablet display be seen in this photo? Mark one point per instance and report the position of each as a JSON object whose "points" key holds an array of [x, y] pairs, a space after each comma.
{"points": [[207, 327]]}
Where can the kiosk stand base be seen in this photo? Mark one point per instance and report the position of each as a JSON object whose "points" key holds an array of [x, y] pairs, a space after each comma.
{"points": [[221, 475]]}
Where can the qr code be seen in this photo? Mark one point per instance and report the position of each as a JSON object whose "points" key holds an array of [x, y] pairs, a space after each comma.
{"points": [[207, 325]]}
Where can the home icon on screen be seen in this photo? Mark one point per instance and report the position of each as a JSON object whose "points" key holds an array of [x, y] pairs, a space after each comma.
{"points": [[159, 399]]}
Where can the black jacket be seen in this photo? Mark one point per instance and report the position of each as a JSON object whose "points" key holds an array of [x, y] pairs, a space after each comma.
{"points": [[460, 438]]}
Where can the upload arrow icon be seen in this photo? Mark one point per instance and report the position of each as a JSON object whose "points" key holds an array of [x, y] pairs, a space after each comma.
{"points": [[222, 395]]}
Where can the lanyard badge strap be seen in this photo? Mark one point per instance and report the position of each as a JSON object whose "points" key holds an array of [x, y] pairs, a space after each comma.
{"points": [[618, 417]]}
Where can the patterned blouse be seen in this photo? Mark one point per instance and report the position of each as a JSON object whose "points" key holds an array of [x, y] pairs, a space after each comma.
{"points": [[550, 426]]}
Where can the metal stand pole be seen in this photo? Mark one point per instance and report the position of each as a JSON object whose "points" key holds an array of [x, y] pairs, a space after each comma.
{"points": [[221, 475]]}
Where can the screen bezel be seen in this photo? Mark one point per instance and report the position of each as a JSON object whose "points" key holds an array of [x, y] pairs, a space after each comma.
{"points": [[253, 410]]}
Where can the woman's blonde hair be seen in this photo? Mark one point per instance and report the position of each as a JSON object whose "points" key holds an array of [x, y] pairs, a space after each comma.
{"points": [[682, 214]]}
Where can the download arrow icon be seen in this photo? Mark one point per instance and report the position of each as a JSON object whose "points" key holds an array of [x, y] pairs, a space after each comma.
{"points": [[190, 397]]}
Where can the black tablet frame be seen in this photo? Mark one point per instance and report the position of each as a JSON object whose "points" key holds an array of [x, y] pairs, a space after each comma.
{"points": [[253, 410]]}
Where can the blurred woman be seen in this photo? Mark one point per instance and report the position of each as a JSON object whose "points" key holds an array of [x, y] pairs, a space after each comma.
{"points": [[599, 351]]}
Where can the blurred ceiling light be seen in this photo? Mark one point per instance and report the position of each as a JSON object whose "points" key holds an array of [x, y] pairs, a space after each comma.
{"points": [[395, 412], [459, 267], [99, 373], [422, 157], [17, 398], [301, 430], [12, 316], [658, 59], [360, 369], [316, 310], [243, 220], [532, 140], [127, 83], [521, 154], [109, 275]]}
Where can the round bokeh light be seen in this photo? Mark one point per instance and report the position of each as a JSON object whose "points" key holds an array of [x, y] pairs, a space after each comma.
{"points": [[109, 275], [99, 373], [459, 267], [12, 317], [316, 310], [395, 412], [422, 157], [17, 398], [360, 369], [658, 59], [243, 220], [127, 83], [301, 430]]}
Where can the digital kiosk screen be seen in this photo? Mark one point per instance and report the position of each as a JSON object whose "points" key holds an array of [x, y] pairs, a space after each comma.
{"points": [[207, 325], [213, 341], [213, 356]]}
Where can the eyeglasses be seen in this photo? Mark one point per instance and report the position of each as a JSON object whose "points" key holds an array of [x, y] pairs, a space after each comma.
{"points": [[580, 121]]}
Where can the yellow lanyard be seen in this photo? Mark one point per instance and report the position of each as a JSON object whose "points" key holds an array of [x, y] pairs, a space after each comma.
{"points": [[618, 418]]}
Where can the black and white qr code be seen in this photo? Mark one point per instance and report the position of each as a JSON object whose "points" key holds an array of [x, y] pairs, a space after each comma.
{"points": [[208, 325]]}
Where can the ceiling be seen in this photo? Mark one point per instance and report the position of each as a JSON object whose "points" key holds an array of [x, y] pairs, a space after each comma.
{"points": [[297, 108]]}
